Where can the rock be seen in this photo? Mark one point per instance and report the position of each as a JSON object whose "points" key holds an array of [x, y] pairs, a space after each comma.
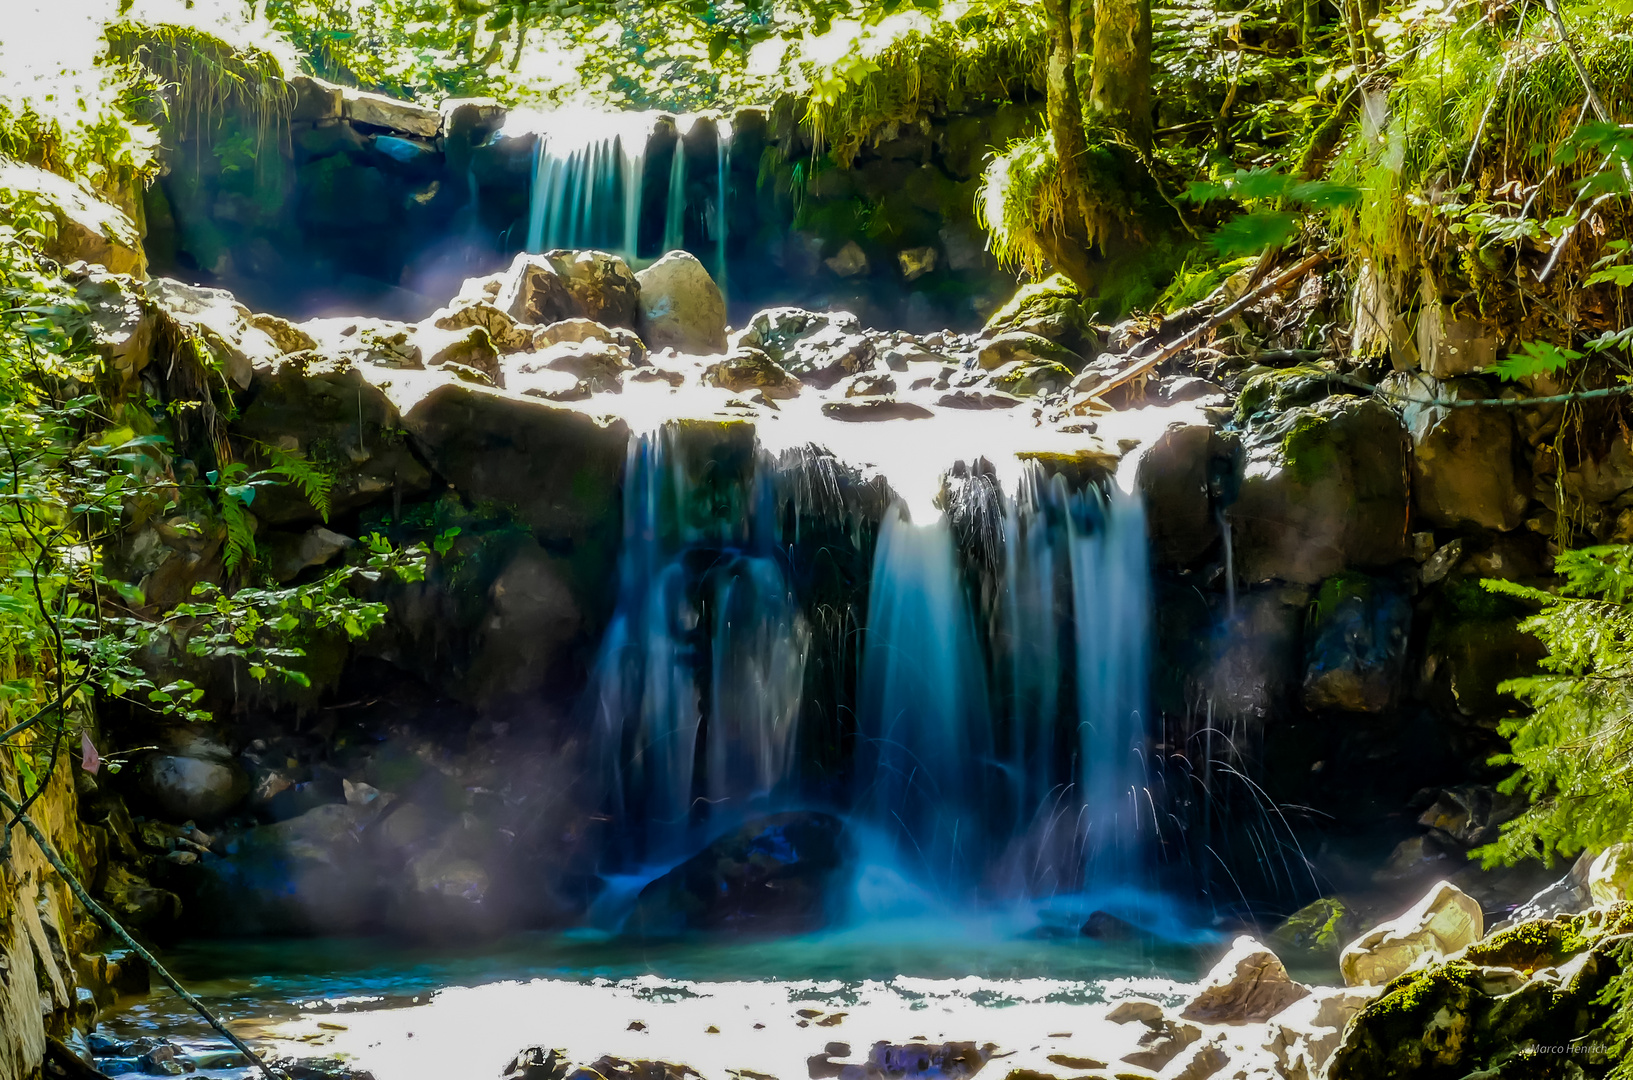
{"points": [[1449, 346], [1173, 476], [1304, 1036], [597, 365], [122, 325], [874, 408], [1471, 814], [1104, 926], [1318, 928], [307, 874], [681, 306], [1463, 469], [288, 337], [533, 292], [532, 620], [87, 228], [1136, 1009], [1248, 985], [287, 555], [1533, 986], [501, 329], [867, 384], [314, 99], [978, 399], [1564, 897], [916, 262], [559, 468], [1324, 488], [315, 411], [470, 121], [469, 350], [185, 787], [361, 107], [819, 347], [601, 285], [221, 323], [1355, 644], [1161, 1044], [537, 1063], [1443, 922], [135, 901], [613, 1068], [917, 1060], [774, 875], [1018, 345], [1051, 309], [748, 368], [1610, 878], [849, 261], [1187, 388], [1029, 378]]}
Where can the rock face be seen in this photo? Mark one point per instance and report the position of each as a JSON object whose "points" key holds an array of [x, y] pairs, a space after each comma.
{"points": [[1173, 476], [1355, 644], [602, 285], [681, 306], [774, 875], [1324, 488], [1532, 986], [1610, 878], [198, 779], [1248, 985], [1443, 922], [1462, 458], [86, 227]]}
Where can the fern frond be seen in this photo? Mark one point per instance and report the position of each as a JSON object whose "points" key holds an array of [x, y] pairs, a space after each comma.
{"points": [[307, 475], [240, 534]]}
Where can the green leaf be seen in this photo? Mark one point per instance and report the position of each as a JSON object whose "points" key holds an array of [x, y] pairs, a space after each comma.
{"points": [[1535, 358]]}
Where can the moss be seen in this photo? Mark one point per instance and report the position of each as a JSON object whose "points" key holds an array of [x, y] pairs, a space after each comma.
{"points": [[1323, 926]]}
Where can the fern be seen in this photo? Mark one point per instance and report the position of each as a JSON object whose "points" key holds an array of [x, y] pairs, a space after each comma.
{"points": [[308, 476], [240, 534]]}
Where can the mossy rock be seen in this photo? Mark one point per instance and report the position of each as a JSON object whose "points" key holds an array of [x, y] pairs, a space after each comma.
{"points": [[1051, 309], [1321, 928], [1279, 389], [1029, 378]]}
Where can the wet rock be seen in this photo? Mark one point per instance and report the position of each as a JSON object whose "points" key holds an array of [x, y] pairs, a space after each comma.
{"points": [[1027, 348], [1610, 878], [1449, 345], [978, 399], [681, 306], [1567, 896], [377, 110], [287, 554], [601, 285], [819, 347], [333, 415], [1248, 985], [1324, 488], [1471, 814], [1533, 985], [849, 261], [1050, 309], [748, 368], [1030, 378], [1441, 923], [1187, 388], [1104, 926], [1319, 928], [537, 1063], [774, 875], [1173, 475], [874, 408], [88, 229], [1462, 458], [558, 467], [1355, 644]]}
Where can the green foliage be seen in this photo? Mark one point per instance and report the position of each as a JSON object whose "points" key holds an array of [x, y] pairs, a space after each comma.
{"points": [[1573, 752], [1270, 198]]}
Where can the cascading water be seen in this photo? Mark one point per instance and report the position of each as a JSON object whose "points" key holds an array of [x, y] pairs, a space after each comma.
{"points": [[722, 209], [587, 180], [696, 690], [674, 211]]}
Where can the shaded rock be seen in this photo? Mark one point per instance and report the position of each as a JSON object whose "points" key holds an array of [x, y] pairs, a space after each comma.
{"points": [[501, 329], [819, 347], [919, 1061], [470, 350], [1324, 488], [1564, 897], [598, 365], [1462, 458], [601, 285], [1187, 388], [288, 337], [1471, 814], [914, 263], [1304, 1036], [1440, 924], [287, 555], [533, 618], [681, 306], [1104, 926], [185, 787], [1162, 1044], [122, 325], [1029, 378], [534, 292], [874, 408], [1322, 927], [1355, 644], [330, 414], [774, 875], [362, 107], [1173, 475], [302, 875], [748, 368], [849, 261], [868, 384], [537, 1063], [314, 99], [1247, 986], [87, 228], [1449, 345], [1610, 878], [978, 399], [1018, 345], [558, 467], [135, 901]]}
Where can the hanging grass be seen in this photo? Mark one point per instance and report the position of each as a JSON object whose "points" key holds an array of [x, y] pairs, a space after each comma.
{"points": [[205, 78]]}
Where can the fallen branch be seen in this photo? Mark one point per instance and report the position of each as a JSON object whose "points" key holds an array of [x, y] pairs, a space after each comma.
{"points": [[1191, 337], [101, 915]]}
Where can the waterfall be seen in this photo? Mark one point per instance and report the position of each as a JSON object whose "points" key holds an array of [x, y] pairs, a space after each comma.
{"points": [[722, 211], [925, 732], [674, 214], [587, 179], [696, 691]]}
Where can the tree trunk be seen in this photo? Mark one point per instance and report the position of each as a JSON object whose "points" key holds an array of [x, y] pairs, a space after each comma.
{"points": [[1122, 68], [1065, 106]]}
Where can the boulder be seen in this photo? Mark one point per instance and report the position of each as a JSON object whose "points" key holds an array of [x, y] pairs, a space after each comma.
{"points": [[600, 284], [819, 347], [1610, 878], [1443, 922], [848, 261], [1324, 488], [1029, 378], [216, 318], [1320, 928], [748, 368], [304, 875], [85, 227], [1051, 309], [1173, 475], [1463, 471], [1471, 814], [600, 364], [1019, 345], [681, 306], [533, 619], [465, 313], [122, 325], [199, 781], [135, 901], [469, 352], [314, 100], [1248, 985], [560, 469], [861, 410], [377, 110], [1449, 345], [916, 262], [532, 292], [286, 555], [1355, 644], [1304, 1036], [330, 414], [867, 384], [776, 874]]}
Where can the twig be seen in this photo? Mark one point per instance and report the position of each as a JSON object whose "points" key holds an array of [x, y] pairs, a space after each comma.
{"points": [[1465, 403], [1576, 61], [101, 915], [1185, 341]]}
